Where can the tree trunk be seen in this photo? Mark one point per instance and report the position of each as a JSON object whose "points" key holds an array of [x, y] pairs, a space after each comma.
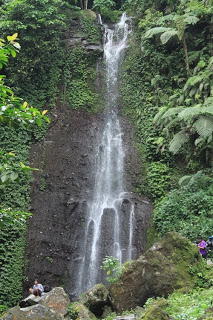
{"points": [[82, 6], [85, 4], [186, 56]]}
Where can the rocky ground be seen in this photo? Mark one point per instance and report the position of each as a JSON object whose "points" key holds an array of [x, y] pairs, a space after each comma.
{"points": [[161, 270]]}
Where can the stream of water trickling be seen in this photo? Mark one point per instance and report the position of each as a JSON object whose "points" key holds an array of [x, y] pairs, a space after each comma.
{"points": [[105, 226]]}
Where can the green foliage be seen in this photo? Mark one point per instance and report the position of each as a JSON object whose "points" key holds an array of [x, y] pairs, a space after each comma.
{"points": [[186, 306], [73, 311], [78, 78], [159, 178], [189, 306], [188, 210], [91, 30], [107, 9], [112, 267], [3, 308], [40, 25], [12, 246]]}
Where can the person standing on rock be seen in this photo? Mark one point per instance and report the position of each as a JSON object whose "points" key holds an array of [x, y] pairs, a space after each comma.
{"points": [[37, 289], [202, 247]]}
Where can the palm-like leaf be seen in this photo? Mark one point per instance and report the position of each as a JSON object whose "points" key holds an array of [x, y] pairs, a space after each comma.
{"points": [[152, 32], [172, 112], [158, 116], [195, 111], [166, 36], [204, 126], [190, 112], [191, 19], [184, 180], [178, 141]]}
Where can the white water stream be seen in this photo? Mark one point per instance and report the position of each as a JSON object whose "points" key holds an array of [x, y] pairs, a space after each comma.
{"points": [[105, 226]]}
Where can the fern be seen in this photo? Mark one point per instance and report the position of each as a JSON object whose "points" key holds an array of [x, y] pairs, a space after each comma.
{"points": [[158, 116], [178, 141], [204, 126], [168, 17], [191, 19], [152, 32], [190, 112], [166, 36], [184, 180], [172, 112]]}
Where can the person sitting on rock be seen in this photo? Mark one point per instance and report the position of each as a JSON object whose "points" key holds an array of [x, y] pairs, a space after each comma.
{"points": [[202, 247], [37, 289]]}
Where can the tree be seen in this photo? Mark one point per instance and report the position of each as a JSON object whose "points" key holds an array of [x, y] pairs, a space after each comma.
{"points": [[193, 123], [179, 26]]}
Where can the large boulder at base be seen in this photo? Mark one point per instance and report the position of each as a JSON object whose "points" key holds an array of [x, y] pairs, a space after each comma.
{"points": [[36, 312], [56, 300], [96, 299], [80, 312], [162, 269]]}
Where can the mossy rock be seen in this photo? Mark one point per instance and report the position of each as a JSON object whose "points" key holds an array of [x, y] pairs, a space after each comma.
{"points": [[156, 311], [79, 311], [162, 269], [96, 299]]}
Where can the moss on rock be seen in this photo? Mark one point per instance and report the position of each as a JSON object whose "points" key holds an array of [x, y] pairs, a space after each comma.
{"points": [[162, 269]]}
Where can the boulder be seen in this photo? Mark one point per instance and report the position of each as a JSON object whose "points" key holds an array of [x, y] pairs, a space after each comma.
{"points": [[51, 306], [56, 300], [162, 269], [96, 299], [36, 312], [79, 311]]}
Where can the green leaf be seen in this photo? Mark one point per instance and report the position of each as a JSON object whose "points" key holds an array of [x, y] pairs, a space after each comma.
{"points": [[4, 178], [152, 32], [178, 141], [191, 19], [166, 36], [204, 126]]}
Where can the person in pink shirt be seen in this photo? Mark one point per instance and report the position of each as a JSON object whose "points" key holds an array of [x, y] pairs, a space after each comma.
{"points": [[202, 246]]}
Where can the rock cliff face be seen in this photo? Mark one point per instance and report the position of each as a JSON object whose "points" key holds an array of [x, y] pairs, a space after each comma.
{"points": [[61, 192]]}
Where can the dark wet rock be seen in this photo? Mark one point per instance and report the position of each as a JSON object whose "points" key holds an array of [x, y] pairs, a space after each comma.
{"points": [[96, 299], [72, 203], [161, 270]]}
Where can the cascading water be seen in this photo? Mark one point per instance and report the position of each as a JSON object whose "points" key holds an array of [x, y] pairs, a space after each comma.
{"points": [[108, 231]]}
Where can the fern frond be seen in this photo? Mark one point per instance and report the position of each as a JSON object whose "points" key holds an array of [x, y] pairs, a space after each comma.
{"points": [[166, 36], [172, 124], [190, 112], [168, 17], [204, 126], [152, 32], [199, 140], [172, 112], [191, 19], [158, 116], [184, 180], [178, 141]]}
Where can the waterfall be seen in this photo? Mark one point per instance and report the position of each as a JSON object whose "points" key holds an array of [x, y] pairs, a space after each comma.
{"points": [[108, 230]]}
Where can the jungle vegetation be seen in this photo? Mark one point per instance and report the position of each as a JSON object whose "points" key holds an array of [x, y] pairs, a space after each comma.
{"points": [[166, 90]]}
